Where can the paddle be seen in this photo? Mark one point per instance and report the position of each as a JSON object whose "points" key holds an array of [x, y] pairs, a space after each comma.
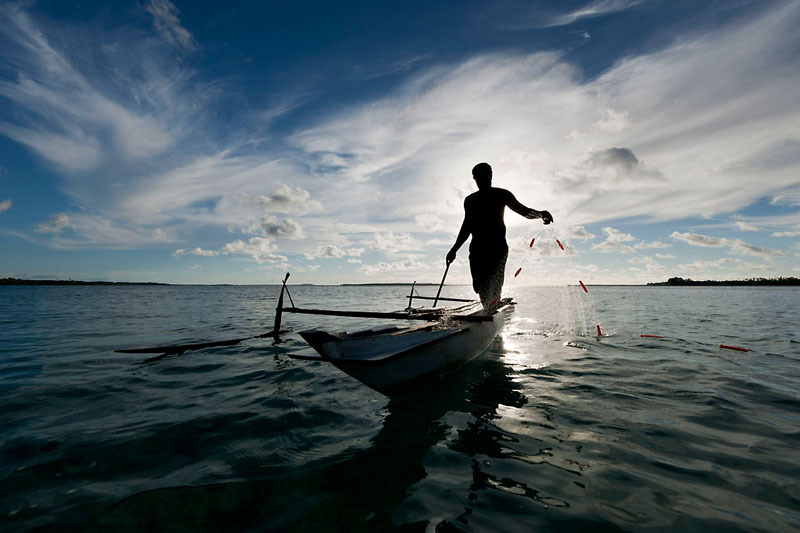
{"points": [[441, 284]]}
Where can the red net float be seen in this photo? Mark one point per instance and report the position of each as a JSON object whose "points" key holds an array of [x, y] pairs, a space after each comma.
{"points": [[559, 244], [583, 287], [651, 336], [531, 245], [737, 348], [599, 333], [517, 272]]}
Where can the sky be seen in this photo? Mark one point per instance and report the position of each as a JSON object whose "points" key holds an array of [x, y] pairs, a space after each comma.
{"points": [[199, 142]]}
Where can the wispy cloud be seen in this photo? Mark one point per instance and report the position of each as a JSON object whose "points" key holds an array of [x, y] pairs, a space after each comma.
{"points": [[54, 224], [5, 205], [745, 226], [594, 9], [168, 24], [519, 15], [735, 245]]}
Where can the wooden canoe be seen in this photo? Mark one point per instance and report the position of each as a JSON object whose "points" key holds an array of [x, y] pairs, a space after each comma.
{"points": [[392, 358]]}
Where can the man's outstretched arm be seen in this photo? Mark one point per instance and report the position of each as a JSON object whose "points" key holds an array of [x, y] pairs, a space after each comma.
{"points": [[527, 212]]}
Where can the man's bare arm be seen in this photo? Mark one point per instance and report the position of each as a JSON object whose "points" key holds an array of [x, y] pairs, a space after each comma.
{"points": [[463, 235], [527, 212]]}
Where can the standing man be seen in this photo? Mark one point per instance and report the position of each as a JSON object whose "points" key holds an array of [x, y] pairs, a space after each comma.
{"points": [[483, 219]]}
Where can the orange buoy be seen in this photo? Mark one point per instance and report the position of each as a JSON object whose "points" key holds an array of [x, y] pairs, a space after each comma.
{"points": [[599, 333], [559, 244], [651, 336], [532, 242], [737, 348], [583, 287], [517, 272]]}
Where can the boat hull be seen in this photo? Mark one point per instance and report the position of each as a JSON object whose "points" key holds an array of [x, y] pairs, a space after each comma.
{"points": [[405, 361]]}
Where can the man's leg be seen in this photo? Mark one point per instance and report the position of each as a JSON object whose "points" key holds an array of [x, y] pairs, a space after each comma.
{"points": [[491, 289]]}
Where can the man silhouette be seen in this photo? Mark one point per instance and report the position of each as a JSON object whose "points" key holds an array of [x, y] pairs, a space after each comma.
{"points": [[483, 219]]}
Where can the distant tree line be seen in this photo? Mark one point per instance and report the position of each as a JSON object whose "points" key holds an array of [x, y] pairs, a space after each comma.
{"points": [[15, 281], [679, 282]]}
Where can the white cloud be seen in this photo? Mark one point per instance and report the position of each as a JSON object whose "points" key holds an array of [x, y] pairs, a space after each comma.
{"points": [[258, 248], [614, 235], [613, 121], [54, 224], [579, 233], [529, 16], [271, 226], [396, 266], [332, 251], [613, 242], [785, 234], [167, 23], [745, 226], [790, 198], [665, 256], [195, 251], [389, 242], [287, 199], [97, 231], [5, 205], [609, 246], [735, 245], [653, 244], [710, 265]]}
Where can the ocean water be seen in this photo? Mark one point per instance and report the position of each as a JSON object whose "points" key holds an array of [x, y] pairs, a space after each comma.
{"points": [[550, 429]]}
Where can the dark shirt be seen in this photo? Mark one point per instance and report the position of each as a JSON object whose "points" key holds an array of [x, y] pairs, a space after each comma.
{"points": [[484, 212]]}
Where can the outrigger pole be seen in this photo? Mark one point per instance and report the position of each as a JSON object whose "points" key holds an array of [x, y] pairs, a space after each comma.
{"points": [[279, 309], [177, 349], [411, 314]]}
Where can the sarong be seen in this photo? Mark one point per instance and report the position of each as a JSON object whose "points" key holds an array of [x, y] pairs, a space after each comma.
{"points": [[488, 273]]}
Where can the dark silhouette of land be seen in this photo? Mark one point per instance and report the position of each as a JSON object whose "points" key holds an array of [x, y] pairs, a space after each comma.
{"points": [[15, 281], [680, 282]]}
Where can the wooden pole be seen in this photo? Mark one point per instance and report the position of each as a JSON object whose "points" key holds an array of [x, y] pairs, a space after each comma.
{"points": [[436, 300]]}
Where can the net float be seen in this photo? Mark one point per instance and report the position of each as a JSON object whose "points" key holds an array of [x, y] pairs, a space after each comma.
{"points": [[737, 348], [651, 336], [599, 333], [531, 245], [583, 287], [517, 272], [559, 244]]}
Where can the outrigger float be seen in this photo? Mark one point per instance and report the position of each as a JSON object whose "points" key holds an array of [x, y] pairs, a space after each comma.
{"points": [[391, 358]]}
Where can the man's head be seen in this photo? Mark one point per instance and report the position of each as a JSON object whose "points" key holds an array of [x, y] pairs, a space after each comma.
{"points": [[482, 173]]}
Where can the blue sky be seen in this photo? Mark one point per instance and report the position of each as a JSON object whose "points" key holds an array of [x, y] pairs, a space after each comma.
{"points": [[193, 142]]}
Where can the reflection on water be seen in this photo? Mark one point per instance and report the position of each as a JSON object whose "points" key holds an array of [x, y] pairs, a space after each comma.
{"points": [[359, 491]]}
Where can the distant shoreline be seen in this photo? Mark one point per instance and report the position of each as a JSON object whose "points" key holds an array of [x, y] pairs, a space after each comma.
{"points": [[672, 282], [680, 282], [15, 281]]}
